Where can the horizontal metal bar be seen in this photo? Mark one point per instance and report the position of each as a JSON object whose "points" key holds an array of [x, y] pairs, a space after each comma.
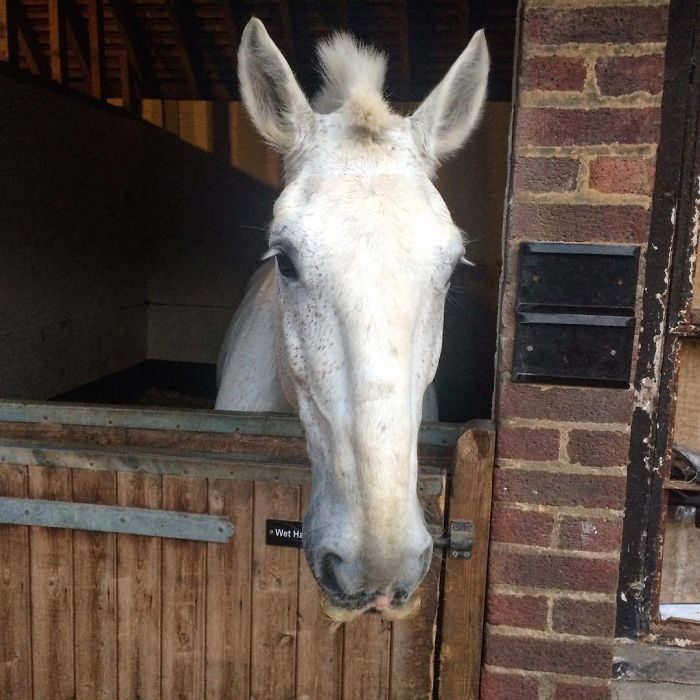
{"points": [[581, 249], [574, 319], [200, 420], [118, 519]]}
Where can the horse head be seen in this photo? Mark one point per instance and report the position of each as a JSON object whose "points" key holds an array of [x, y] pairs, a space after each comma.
{"points": [[364, 248]]}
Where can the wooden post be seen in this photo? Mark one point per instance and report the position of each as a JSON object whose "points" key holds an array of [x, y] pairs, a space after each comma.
{"points": [[9, 50], [97, 52], [131, 100], [465, 579], [58, 42]]}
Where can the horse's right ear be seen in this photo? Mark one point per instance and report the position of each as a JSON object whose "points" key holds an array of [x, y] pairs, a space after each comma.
{"points": [[276, 104]]}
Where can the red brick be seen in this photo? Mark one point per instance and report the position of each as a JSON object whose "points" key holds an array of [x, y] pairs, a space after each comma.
{"points": [[553, 571], [502, 686], [553, 73], [602, 25], [521, 526], [564, 403], [559, 489], [622, 175], [548, 126], [540, 444], [579, 223], [584, 617], [517, 611], [577, 691], [622, 75], [545, 174], [554, 656], [598, 448], [590, 534]]}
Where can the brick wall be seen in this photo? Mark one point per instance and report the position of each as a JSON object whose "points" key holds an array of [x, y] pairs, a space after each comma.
{"points": [[586, 127]]}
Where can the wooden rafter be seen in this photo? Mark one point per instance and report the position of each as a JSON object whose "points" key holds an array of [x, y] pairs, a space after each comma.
{"points": [[131, 99], [30, 46], [9, 35], [97, 47], [78, 36], [134, 40], [181, 22], [58, 43]]}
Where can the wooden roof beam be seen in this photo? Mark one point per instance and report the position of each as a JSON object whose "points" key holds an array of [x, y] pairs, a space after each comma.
{"points": [[9, 34], [30, 46], [58, 41], [187, 46], [135, 42], [78, 36], [96, 42]]}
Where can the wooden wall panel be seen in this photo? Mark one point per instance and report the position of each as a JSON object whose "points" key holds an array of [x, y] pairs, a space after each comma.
{"points": [[229, 594], [367, 658], [15, 605], [319, 639], [139, 595], [95, 594], [52, 593], [184, 596], [275, 578]]}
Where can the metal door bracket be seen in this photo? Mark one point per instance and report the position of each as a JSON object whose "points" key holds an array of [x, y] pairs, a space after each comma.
{"points": [[459, 541]]}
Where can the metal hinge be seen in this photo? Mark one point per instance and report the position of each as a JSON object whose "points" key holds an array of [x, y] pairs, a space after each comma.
{"points": [[459, 541]]}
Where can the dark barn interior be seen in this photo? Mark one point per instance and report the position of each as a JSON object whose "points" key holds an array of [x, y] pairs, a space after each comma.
{"points": [[129, 249]]}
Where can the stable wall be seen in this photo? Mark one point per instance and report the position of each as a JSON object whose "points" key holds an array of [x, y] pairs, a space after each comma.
{"points": [[119, 242]]}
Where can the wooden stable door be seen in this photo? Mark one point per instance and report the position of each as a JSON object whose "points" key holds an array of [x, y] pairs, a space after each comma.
{"points": [[110, 616]]}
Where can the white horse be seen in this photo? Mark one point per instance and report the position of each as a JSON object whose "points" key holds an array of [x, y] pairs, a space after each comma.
{"points": [[343, 324]]}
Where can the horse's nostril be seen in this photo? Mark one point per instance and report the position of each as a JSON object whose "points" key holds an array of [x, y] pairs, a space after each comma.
{"points": [[400, 596], [328, 575]]}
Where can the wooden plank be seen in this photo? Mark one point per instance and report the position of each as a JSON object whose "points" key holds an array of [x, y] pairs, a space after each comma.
{"points": [[77, 33], [15, 603], [52, 592], [184, 596], [96, 41], [138, 595], [9, 38], [229, 594], [58, 44], [95, 594], [413, 639], [465, 580], [319, 639], [181, 20], [30, 46], [366, 661], [657, 663], [274, 609], [127, 82], [171, 116], [152, 111], [686, 429]]}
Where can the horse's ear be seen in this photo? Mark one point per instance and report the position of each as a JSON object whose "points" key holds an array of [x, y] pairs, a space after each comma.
{"points": [[276, 104], [448, 115]]}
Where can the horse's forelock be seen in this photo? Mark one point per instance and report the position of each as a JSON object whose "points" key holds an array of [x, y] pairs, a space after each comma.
{"points": [[353, 80]]}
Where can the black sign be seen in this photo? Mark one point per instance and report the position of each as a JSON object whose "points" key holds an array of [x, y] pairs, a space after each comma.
{"points": [[284, 533]]}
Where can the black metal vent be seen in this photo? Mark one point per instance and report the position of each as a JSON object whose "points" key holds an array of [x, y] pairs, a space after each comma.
{"points": [[575, 313]]}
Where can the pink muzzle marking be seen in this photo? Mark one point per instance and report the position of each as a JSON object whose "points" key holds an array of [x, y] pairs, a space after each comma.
{"points": [[382, 603]]}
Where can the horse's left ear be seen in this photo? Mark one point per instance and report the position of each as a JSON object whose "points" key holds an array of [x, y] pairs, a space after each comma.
{"points": [[449, 114], [276, 104]]}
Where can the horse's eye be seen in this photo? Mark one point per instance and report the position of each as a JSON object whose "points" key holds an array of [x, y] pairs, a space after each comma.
{"points": [[286, 266]]}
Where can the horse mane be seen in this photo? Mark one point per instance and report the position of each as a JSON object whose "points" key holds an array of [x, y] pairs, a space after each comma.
{"points": [[353, 80]]}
